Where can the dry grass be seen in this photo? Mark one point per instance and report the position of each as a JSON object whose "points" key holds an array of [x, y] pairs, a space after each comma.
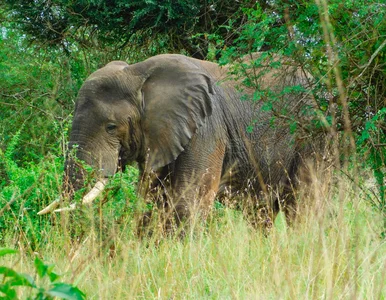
{"points": [[333, 251]]}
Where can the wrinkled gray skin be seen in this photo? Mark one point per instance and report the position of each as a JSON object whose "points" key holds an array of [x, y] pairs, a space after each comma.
{"points": [[186, 127]]}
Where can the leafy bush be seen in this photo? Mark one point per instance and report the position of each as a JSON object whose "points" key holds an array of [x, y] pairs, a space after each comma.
{"points": [[349, 79], [162, 25]]}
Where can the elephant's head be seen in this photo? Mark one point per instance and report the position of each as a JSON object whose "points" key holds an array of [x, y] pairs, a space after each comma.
{"points": [[145, 112]]}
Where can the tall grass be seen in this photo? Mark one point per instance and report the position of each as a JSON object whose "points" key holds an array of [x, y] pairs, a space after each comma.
{"points": [[334, 250]]}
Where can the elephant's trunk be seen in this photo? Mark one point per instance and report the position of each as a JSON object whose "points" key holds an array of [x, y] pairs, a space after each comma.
{"points": [[74, 177], [98, 154], [73, 180]]}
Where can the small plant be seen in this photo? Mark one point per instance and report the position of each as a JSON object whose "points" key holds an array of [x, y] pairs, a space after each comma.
{"points": [[11, 279]]}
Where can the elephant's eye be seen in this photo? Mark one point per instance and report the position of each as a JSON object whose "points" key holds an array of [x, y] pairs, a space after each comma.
{"points": [[110, 128]]}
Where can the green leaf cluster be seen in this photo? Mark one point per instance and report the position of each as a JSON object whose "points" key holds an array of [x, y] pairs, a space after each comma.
{"points": [[121, 23], [12, 279]]}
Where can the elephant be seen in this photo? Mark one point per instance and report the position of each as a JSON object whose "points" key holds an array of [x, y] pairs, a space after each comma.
{"points": [[192, 133]]}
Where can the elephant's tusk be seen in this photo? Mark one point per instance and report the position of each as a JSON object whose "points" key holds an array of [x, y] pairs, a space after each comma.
{"points": [[88, 199], [95, 191], [70, 208], [50, 207]]}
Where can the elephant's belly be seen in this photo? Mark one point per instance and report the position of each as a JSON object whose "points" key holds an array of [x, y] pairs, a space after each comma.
{"points": [[249, 180]]}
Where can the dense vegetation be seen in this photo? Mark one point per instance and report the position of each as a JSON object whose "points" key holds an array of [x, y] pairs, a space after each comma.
{"points": [[47, 49]]}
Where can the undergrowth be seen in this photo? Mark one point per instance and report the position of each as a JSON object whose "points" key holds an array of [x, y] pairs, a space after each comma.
{"points": [[334, 250]]}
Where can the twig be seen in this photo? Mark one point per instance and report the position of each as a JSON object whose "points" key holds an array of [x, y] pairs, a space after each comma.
{"points": [[361, 188], [8, 205], [365, 66], [5, 103]]}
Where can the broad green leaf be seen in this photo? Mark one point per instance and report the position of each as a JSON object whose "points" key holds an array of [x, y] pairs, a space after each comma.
{"points": [[5, 251], [23, 280], [10, 293], [66, 291], [40, 267], [8, 272], [17, 278], [53, 276]]}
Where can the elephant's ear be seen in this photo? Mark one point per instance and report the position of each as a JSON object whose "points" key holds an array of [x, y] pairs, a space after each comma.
{"points": [[177, 100]]}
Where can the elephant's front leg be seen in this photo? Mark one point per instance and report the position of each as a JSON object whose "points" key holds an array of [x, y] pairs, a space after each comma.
{"points": [[196, 180], [155, 189]]}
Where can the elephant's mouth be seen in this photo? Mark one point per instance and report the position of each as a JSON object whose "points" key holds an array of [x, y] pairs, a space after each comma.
{"points": [[125, 157], [121, 164]]}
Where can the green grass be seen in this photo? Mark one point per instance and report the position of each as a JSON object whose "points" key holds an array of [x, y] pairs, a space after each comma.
{"points": [[334, 251]]}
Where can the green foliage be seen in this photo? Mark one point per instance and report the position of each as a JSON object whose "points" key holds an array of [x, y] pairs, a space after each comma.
{"points": [[372, 142], [34, 97], [121, 189], [46, 287], [120, 23], [33, 187], [25, 192]]}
